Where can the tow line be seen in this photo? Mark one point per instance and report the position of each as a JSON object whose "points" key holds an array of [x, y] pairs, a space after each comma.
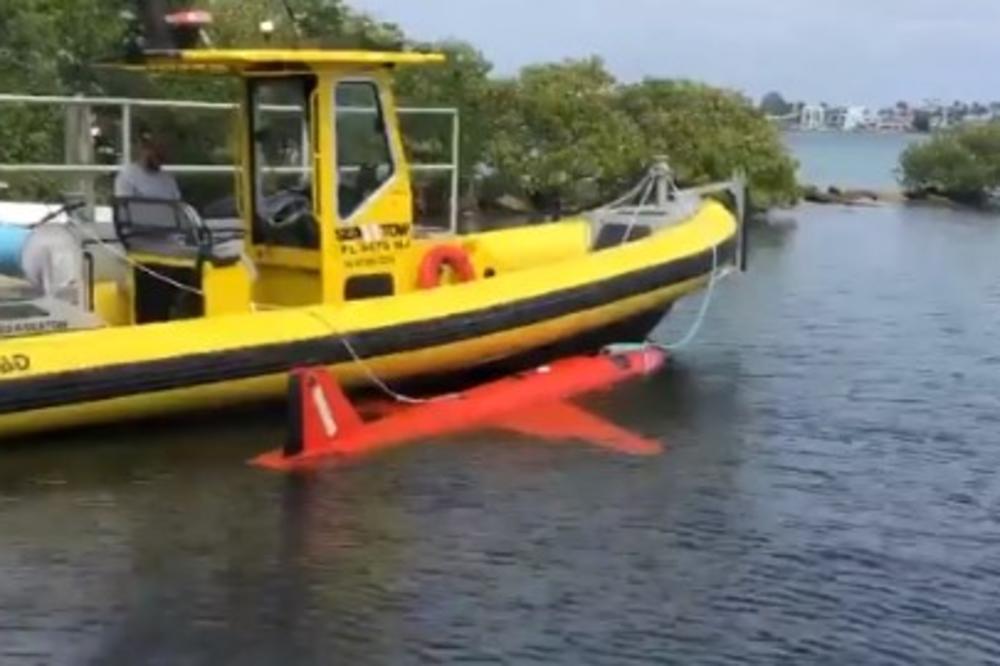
{"points": [[326, 428]]}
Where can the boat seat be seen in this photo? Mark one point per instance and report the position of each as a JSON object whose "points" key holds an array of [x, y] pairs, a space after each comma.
{"points": [[173, 229]]}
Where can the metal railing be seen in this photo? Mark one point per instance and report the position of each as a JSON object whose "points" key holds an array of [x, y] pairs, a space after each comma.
{"points": [[127, 105]]}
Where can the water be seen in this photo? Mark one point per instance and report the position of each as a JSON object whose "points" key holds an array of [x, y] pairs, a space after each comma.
{"points": [[849, 160], [830, 496]]}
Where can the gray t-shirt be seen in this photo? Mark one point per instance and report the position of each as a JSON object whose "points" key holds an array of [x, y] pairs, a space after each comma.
{"points": [[135, 180]]}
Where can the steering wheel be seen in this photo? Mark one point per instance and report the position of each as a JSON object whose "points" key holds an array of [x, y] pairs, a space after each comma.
{"points": [[292, 207], [290, 212]]}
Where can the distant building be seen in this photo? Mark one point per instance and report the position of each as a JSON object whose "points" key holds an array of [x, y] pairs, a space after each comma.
{"points": [[812, 117], [925, 116], [897, 118], [859, 118], [835, 117]]}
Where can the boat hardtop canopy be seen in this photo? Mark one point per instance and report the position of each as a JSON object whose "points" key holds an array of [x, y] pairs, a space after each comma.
{"points": [[323, 200], [248, 61]]}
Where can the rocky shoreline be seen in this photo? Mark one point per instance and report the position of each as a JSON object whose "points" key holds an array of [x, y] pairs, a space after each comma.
{"points": [[851, 197], [867, 197]]}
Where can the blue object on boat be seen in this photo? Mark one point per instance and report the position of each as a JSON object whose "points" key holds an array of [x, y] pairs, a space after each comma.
{"points": [[12, 240]]}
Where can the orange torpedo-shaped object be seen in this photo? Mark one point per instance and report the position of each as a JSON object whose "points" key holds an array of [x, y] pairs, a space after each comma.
{"points": [[325, 426]]}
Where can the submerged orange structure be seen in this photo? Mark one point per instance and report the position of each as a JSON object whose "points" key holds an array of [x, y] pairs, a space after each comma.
{"points": [[326, 428]]}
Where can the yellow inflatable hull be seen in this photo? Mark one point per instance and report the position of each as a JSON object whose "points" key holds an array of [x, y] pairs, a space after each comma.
{"points": [[571, 304]]}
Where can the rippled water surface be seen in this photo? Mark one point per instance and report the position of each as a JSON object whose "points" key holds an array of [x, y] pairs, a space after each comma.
{"points": [[830, 495]]}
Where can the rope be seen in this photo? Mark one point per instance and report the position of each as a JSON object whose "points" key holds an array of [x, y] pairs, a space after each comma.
{"points": [[371, 374], [115, 252], [646, 188], [695, 327], [699, 320], [366, 368], [713, 279], [650, 184], [628, 196], [377, 381]]}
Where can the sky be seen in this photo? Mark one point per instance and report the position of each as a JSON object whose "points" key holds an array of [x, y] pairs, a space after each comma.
{"points": [[839, 51]]}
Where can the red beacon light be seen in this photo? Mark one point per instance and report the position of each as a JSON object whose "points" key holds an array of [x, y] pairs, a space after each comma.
{"points": [[186, 26]]}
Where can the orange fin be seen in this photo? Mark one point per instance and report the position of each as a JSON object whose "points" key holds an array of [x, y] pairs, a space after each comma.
{"points": [[556, 421]]}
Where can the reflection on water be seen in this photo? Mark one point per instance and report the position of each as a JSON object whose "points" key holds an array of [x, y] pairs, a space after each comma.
{"points": [[829, 495]]}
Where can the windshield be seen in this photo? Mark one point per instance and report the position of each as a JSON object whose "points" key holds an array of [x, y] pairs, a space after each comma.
{"points": [[283, 171], [364, 158]]}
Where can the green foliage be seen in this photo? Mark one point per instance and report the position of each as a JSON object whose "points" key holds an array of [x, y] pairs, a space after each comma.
{"points": [[962, 164], [559, 134], [707, 134], [464, 83], [47, 46], [318, 23], [564, 133], [569, 135], [51, 45]]}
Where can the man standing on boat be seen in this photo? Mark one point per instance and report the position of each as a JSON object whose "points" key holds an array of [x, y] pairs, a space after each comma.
{"points": [[145, 177]]}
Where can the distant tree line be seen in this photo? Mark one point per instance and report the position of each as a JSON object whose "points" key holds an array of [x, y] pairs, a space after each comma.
{"points": [[773, 104], [564, 134], [961, 164]]}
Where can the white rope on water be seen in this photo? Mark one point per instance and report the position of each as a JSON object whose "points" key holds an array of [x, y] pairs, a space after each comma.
{"points": [[370, 373], [699, 320], [646, 188], [693, 330]]}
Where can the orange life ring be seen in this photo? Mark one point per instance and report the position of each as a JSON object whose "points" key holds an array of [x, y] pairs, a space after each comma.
{"points": [[453, 256]]}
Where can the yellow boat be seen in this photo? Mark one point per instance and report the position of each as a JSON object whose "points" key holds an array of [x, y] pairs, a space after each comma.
{"points": [[322, 265]]}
